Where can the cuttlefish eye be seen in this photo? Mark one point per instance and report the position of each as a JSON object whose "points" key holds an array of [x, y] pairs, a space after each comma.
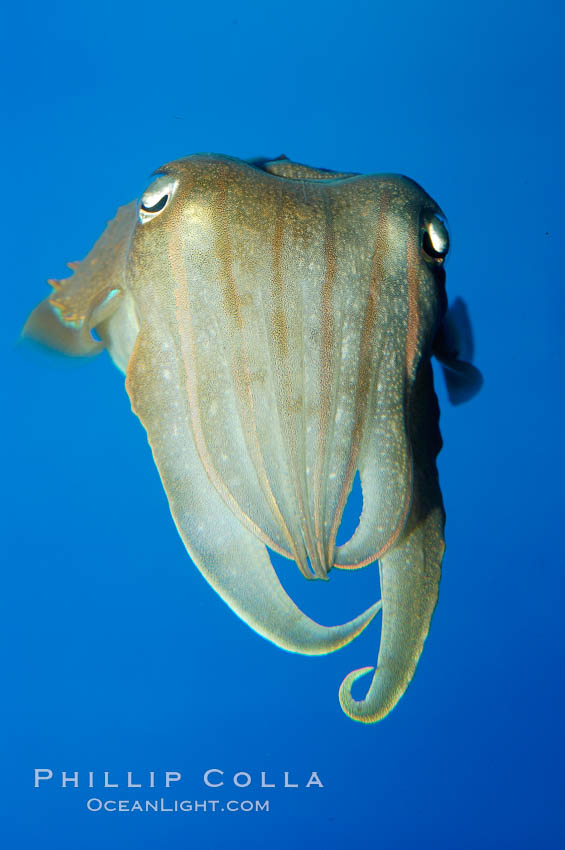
{"points": [[435, 240], [156, 197]]}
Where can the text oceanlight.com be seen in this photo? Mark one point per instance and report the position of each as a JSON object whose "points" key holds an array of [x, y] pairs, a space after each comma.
{"points": [[95, 804]]}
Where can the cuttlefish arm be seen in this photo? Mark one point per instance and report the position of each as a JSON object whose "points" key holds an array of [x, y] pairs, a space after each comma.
{"points": [[410, 572], [64, 321], [228, 555]]}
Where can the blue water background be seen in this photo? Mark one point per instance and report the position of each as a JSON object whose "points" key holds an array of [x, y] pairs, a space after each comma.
{"points": [[116, 654]]}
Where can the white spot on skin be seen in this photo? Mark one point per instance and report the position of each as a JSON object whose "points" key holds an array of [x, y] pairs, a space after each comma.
{"points": [[166, 374], [198, 232]]}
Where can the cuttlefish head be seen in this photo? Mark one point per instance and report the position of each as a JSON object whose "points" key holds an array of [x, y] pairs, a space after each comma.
{"points": [[276, 325]]}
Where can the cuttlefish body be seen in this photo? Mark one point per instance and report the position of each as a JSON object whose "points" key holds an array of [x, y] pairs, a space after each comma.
{"points": [[276, 324]]}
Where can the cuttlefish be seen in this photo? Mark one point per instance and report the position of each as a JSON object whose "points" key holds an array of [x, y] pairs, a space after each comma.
{"points": [[276, 323]]}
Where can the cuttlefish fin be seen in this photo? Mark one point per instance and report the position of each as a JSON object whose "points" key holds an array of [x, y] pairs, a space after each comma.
{"points": [[65, 320], [453, 347], [229, 556], [282, 166], [409, 572]]}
